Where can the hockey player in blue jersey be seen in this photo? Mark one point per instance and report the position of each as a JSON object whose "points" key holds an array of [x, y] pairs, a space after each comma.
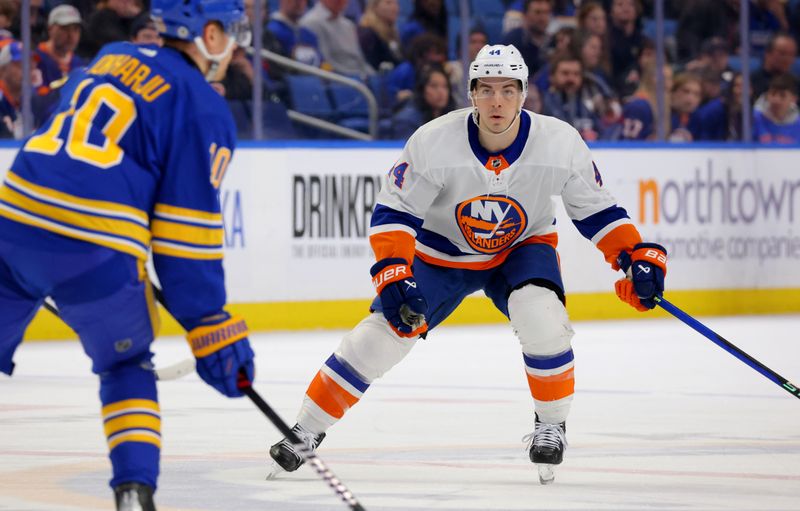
{"points": [[131, 162]]}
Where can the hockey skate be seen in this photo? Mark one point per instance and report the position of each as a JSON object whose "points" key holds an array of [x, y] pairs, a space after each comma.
{"points": [[134, 497], [285, 457], [546, 448]]}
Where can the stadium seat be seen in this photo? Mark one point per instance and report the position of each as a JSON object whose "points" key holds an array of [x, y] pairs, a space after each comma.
{"points": [[309, 96], [351, 107], [483, 8], [735, 63], [275, 121]]}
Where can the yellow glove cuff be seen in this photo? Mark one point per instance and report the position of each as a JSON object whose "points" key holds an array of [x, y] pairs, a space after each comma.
{"points": [[205, 340]]}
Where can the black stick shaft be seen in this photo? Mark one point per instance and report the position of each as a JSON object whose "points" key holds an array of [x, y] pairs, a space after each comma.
{"points": [[319, 466]]}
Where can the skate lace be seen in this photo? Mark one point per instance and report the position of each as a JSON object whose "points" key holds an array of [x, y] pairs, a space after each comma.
{"points": [[308, 438], [546, 435]]}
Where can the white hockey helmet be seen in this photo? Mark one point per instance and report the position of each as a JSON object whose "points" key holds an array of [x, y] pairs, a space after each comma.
{"points": [[499, 60]]}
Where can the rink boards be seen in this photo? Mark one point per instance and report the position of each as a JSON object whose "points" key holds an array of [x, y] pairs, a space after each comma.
{"points": [[296, 220]]}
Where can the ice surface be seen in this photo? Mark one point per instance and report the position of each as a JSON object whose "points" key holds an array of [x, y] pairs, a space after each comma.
{"points": [[662, 419]]}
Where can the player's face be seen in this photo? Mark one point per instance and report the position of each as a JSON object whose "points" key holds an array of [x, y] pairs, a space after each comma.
{"points": [[498, 101]]}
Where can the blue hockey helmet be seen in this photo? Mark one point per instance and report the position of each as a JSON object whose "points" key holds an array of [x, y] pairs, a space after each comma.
{"points": [[185, 19]]}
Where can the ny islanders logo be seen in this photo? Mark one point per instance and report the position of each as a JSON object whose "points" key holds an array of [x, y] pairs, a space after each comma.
{"points": [[491, 223]]}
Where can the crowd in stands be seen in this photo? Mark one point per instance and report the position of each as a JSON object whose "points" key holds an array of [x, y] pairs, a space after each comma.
{"points": [[592, 63]]}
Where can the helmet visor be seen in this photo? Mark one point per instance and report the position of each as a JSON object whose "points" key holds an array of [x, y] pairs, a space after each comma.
{"points": [[240, 31]]}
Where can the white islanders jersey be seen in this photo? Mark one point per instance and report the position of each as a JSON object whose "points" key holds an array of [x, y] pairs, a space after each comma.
{"points": [[451, 203]]}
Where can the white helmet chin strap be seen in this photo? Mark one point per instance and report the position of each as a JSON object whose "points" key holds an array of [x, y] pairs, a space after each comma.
{"points": [[213, 60]]}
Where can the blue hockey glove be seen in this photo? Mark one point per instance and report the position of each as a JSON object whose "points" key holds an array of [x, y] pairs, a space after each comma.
{"points": [[222, 350], [403, 305], [645, 269]]}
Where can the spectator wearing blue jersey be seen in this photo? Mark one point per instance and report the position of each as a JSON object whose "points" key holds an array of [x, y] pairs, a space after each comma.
{"points": [[11, 83], [425, 49], [574, 97], [777, 120], [720, 119], [432, 98], [56, 56], [532, 39], [428, 16], [686, 94], [298, 43], [639, 111], [378, 34]]}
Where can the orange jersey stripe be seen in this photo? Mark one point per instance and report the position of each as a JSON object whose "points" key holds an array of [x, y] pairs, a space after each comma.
{"points": [[552, 388], [393, 244], [330, 396], [547, 239], [621, 238]]}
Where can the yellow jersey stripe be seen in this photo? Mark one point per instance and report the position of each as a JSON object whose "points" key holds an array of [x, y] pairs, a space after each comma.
{"points": [[136, 435], [195, 216], [120, 228], [88, 205], [129, 405], [132, 421], [119, 244], [186, 252], [212, 236]]}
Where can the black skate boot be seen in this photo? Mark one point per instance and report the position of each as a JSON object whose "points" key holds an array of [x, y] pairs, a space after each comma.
{"points": [[284, 454], [546, 449], [134, 497]]}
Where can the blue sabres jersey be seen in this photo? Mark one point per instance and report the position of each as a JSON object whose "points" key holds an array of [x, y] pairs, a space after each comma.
{"points": [[132, 159]]}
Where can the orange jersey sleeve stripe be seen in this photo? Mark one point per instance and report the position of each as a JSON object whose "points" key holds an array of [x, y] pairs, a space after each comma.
{"points": [[622, 238], [552, 388], [393, 244], [330, 396]]}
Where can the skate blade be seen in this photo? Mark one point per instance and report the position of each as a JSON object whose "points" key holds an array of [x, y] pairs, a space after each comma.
{"points": [[547, 473], [274, 471]]}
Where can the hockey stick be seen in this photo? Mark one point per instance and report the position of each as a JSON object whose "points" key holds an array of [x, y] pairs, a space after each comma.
{"points": [[307, 454], [729, 347], [187, 366]]}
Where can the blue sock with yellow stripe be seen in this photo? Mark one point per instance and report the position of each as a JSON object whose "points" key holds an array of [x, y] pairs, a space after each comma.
{"points": [[132, 422]]}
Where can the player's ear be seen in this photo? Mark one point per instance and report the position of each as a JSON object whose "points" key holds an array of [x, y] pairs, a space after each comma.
{"points": [[214, 38]]}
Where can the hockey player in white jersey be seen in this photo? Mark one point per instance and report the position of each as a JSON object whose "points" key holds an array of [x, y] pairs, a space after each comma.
{"points": [[468, 207]]}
